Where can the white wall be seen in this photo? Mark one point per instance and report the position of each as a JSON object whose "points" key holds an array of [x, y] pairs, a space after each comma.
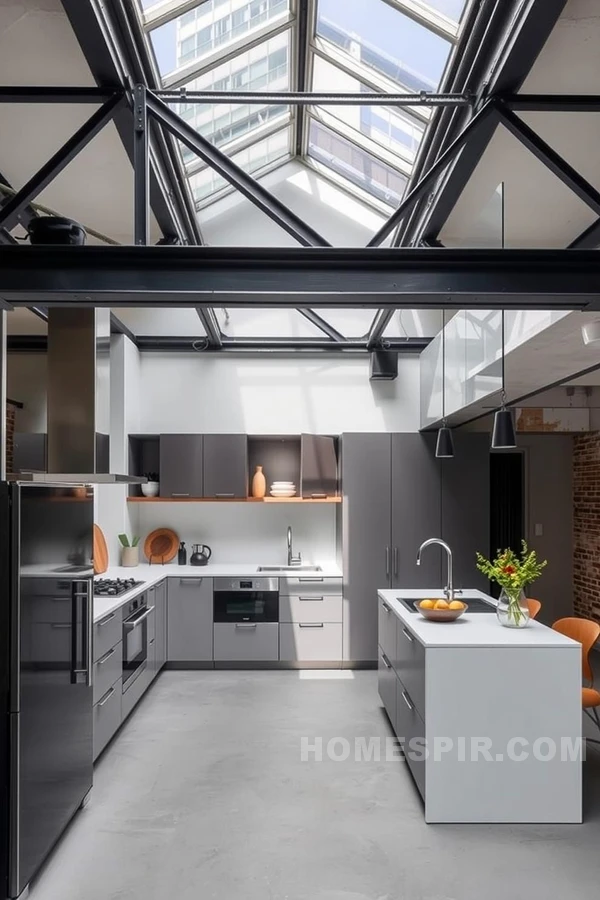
{"points": [[195, 393]]}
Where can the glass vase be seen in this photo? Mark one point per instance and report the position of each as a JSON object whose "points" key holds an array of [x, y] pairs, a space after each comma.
{"points": [[513, 610]]}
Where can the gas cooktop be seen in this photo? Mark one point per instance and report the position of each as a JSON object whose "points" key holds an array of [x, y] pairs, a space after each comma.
{"points": [[113, 587]]}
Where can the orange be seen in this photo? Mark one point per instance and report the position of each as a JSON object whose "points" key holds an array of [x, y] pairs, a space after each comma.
{"points": [[441, 604], [457, 604], [427, 604]]}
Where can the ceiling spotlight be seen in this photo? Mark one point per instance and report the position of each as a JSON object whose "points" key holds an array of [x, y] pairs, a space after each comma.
{"points": [[591, 333]]}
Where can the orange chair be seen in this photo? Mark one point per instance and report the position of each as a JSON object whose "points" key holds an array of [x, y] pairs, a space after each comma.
{"points": [[586, 633], [534, 607]]}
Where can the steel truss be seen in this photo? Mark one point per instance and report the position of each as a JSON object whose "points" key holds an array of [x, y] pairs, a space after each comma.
{"points": [[150, 111]]}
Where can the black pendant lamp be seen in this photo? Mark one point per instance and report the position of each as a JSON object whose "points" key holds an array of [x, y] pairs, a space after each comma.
{"points": [[444, 449], [503, 435]]}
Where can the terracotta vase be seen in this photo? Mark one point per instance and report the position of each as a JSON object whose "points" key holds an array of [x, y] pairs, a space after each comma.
{"points": [[259, 483]]}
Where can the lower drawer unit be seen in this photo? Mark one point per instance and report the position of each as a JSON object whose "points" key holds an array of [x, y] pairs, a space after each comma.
{"points": [[410, 729], [136, 690], [107, 670], [310, 642], [107, 717], [312, 607], [387, 685], [107, 632], [246, 641], [409, 663]]}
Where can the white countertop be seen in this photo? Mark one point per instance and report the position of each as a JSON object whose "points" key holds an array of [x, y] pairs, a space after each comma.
{"points": [[471, 630], [151, 575]]}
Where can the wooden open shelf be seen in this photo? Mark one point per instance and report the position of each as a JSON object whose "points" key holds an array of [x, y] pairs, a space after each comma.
{"points": [[234, 500]]}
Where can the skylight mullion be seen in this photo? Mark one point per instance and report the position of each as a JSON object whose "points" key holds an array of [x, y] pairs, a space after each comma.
{"points": [[426, 14], [160, 13], [243, 143]]}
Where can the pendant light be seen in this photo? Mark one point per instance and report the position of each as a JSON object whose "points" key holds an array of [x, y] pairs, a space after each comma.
{"points": [[503, 435], [444, 448]]}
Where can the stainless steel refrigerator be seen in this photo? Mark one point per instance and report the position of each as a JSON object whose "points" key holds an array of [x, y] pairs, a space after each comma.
{"points": [[46, 595]]}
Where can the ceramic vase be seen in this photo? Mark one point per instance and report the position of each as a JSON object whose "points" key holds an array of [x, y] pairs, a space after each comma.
{"points": [[130, 556], [150, 489], [259, 483], [512, 609]]}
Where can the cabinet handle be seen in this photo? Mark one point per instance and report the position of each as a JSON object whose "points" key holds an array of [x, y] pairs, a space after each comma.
{"points": [[245, 624], [384, 660], [106, 697], [173, 494], [318, 495], [396, 561], [408, 635], [311, 624], [152, 641], [61, 625], [407, 701], [186, 582], [106, 620], [310, 579], [224, 496], [385, 607], [106, 656], [310, 599], [387, 561]]}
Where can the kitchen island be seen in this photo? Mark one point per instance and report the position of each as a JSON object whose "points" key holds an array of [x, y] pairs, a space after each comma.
{"points": [[489, 717]]}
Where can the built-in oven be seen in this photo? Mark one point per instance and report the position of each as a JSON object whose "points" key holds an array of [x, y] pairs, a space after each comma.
{"points": [[135, 639], [246, 600]]}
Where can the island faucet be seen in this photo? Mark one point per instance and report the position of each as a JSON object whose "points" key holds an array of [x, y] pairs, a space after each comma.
{"points": [[449, 589], [291, 559]]}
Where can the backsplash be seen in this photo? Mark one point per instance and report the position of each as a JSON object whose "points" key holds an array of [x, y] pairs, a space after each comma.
{"points": [[244, 532]]}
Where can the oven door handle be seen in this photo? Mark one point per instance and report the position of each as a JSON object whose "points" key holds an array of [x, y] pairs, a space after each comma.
{"points": [[132, 624]]}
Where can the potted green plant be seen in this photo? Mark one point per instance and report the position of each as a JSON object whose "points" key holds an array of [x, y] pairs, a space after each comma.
{"points": [[512, 572], [151, 487], [129, 550]]}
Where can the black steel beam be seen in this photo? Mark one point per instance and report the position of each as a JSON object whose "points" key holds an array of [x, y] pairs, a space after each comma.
{"points": [[117, 327], [302, 40], [45, 94], [588, 239], [235, 175], [9, 213], [322, 324], [141, 167], [273, 345], [6, 237], [292, 277], [552, 102], [211, 326], [427, 181], [302, 98], [550, 158], [27, 213]]}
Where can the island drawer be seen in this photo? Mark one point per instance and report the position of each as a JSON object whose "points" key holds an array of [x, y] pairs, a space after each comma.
{"points": [[108, 631], [310, 642], [387, 629], [310, 608], [309, 584], [246, 641], [107, 670], [387, 685], [410, 729], [409, 663]]}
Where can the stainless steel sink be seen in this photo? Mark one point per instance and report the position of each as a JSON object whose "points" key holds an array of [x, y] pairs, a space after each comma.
{"points": [[289, 569]]}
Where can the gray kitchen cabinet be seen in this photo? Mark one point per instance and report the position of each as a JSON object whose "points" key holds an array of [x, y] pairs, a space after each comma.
{"points": [[386, 680], [466, 507], [107, 670], [310, 642], [190, 620], [225, 465], [416, 510], [181, 465], [318, 466], [160, 626], [246, 641], [410, 728], [366, 538], [107, 716]]}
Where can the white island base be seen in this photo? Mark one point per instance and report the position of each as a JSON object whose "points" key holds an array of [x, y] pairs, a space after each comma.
{"points": [[489, 717]]}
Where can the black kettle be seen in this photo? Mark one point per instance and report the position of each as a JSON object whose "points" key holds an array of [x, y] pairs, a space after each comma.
{"points": [[201, 555]]}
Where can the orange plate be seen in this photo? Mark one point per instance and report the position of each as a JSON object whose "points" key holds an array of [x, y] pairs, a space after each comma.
{"points": [[161, 545], [441, 615], [100, 551]]}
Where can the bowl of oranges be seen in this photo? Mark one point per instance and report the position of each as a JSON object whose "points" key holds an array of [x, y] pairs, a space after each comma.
{"points": [[440, 610]]}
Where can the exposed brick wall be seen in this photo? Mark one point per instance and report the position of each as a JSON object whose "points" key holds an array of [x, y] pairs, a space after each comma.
{"points": [[586, 525], [10, 435]]}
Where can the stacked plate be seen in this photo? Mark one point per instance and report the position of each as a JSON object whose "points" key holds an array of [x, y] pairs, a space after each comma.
{"points": [[283, 489]]}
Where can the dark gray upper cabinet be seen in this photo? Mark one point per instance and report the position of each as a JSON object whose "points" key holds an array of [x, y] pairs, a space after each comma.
{"points": [[225, 465], [366, 512], [466, 506], [318, 466], [29, 452], [416, 510], [181, 465]]}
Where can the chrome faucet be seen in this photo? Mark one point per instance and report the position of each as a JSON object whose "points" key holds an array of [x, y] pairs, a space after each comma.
{"points": [[292, 560], [449, 589]]}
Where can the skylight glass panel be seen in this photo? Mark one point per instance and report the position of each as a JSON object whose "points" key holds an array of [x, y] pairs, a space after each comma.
{"points": [[210, 28], [244, 322], [352, 323], [258, 156], [263, 68], [355, 164], [391, 128], [452, 9], [381, 37]]}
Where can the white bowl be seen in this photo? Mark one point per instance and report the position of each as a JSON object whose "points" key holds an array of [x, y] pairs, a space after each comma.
{"points": [[283, 493], [283, 484]]}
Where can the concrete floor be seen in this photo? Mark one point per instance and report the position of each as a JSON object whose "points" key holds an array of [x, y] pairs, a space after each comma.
{"points": [[203, 795]]}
